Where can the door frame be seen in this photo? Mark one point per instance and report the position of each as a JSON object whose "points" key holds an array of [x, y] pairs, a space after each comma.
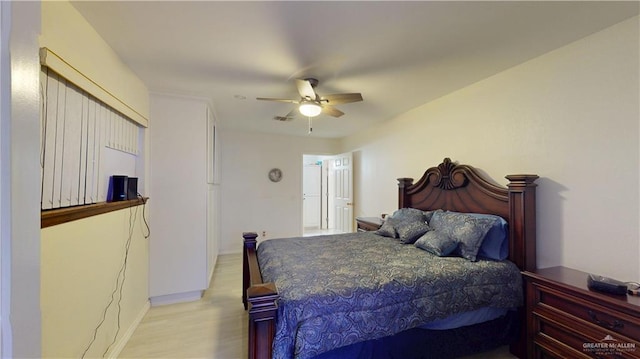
{"points": [[323, 189], [317, 196], [327, 190]]}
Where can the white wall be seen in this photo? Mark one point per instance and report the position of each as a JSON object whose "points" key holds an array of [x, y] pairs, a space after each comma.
{"points": [[178, 192], [249, 201], [19, 208], [81, 261], [571, 116]]}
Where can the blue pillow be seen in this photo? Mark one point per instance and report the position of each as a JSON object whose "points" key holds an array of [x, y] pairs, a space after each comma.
{"points": [[407, 224], [496, 243], [429, 214], [437, 243], [408, 214], [387, 229], [410, 230], [468, 231]]}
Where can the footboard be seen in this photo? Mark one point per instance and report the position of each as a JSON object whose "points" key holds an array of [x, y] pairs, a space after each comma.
{"points": [[260, 299]]}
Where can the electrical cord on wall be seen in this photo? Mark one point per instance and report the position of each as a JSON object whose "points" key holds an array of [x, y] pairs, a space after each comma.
{"points": [[119, 286], [144, 217]]}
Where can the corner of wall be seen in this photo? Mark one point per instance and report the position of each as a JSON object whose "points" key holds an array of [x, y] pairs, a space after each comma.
{"points": [[69, 35]]}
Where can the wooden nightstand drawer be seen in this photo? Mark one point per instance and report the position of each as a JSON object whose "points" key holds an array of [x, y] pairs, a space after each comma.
{"points": [[366, 224], [552, 344], [567, 320], [555, 342], [579, 309], [559, 333]]}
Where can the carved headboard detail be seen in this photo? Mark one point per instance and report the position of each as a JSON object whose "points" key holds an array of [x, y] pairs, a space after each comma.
{"points": [[447, 176], [462, 188]]}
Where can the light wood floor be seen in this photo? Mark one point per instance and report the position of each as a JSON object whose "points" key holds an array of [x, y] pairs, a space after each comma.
{"points": [[214, 327]]}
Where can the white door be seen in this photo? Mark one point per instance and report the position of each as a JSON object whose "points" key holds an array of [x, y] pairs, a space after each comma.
{"points": [[311, 189], [342, 199], [324, 196]]}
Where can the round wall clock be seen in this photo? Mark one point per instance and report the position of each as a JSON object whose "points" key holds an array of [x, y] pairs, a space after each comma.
{"points": [[275, 175]]}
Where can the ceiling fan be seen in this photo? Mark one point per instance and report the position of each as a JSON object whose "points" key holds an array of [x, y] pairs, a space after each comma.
{"points": [[311, 104]]}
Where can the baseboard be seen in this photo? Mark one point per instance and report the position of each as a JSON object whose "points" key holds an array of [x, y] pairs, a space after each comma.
{"points": [[124, 339], [176, 298], [235, 251], [213, 266]]}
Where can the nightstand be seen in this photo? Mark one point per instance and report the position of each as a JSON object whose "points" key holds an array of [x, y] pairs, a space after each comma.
{"points": [[366, 224], [567, 320]]}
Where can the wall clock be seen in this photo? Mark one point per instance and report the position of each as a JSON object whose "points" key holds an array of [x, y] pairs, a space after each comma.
{"points": [[275, 175]]}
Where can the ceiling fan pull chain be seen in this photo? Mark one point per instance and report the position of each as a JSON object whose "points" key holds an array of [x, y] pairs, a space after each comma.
{"points": [[310, 127]]}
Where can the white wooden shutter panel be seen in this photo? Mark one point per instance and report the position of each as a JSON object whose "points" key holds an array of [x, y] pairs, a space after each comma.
{"points": [[76, 127]]}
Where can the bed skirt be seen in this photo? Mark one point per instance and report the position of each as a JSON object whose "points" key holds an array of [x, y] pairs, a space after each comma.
{"points": [[425, 343]]}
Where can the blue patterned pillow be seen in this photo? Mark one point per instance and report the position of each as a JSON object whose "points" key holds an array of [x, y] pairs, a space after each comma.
{"points": [[496, 243], [437, 243], [403, 214], [429, 214], [387, 229], [410, 230], [468, 231], [410, 224]]}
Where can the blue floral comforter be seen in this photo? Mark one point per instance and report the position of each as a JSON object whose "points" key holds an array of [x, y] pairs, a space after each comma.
{"points": [[342, 289]]}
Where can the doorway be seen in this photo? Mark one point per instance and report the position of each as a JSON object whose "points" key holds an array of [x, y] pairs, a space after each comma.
{"points": [[327, 194]]}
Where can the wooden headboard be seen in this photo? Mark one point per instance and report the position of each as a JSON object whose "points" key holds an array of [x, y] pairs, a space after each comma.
{"points": [[462, 188]]}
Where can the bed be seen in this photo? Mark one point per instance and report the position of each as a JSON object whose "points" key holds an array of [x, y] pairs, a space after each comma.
{"points": [[317, 311]]}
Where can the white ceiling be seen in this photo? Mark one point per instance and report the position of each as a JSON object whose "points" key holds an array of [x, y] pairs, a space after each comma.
{"points": [[399, 55]]}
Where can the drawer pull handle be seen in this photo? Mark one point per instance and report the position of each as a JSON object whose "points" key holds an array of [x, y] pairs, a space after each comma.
{"points": [[615, 325]]}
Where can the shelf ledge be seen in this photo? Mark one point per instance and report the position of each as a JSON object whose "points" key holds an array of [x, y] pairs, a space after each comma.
{"points": [[57, 216]]}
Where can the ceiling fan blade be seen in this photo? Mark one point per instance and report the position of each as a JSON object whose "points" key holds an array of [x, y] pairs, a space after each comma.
{"points": [[339, 98], [293, 113], [288, 117], [277, 99], [305, 89], [331, 111]]}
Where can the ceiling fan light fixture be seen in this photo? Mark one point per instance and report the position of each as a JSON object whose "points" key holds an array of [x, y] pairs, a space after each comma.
{"points": [[310, 109]]}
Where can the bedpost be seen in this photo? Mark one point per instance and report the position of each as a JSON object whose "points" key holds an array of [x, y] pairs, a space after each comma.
{"points": [[522, 229], [403, 183], [522, 237], [260, 298], [249, 245], [262, 319]]}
